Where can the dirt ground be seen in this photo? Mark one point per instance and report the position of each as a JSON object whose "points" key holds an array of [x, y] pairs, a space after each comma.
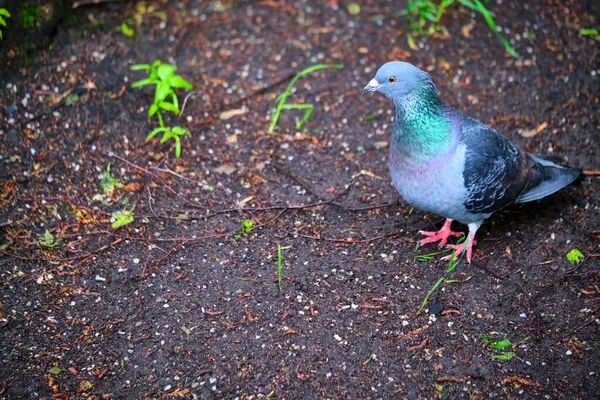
{"points": [[180, 303]]}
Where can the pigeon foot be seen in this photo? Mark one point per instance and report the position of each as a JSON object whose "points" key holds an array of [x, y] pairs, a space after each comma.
{"points": [[459, 248], [442, 235]]}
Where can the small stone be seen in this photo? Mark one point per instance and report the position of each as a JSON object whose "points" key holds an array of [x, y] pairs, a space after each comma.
{"points": [[435, 308]]}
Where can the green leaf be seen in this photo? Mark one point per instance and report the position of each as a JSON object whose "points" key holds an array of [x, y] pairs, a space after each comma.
{"points": [[354, 8], [575, 256], [54, 370], [152, 110], [139, 67], [144, 82], [177, 147], [2, 21], [178, 82], [121, 218], [107, 182], [126, 30], [86, 385], [162, 91], [247, 226], [588, 32], [504, 356], [165, 71], [48, 240], [4, 12], [155, 131], [72, 98], [169, 134], [165, 105], [174, 99], [500, 344]]}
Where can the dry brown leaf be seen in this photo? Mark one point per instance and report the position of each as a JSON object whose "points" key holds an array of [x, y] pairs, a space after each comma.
{"points": [[225, 115], [399, 54], [244, 201], [517, 381], [226, 169], [466, 30], [232, 139], [132, 187], [533, 132]]}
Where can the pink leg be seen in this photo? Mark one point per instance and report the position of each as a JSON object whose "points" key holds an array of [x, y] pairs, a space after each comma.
{"points": [[442, 235]]}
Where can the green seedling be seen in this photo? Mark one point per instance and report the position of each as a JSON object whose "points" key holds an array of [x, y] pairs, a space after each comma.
{"points": [[3, 14], [107, 182], [505, 356], [282, 105], [279, 266], [575, 256], [163, 77], [501, 344], [31, 13], [495, 343], [588, 32], [127, 31], [48, 240], [121, 218], [452, 264], [424, 12], [245, 228], [174, 133]]}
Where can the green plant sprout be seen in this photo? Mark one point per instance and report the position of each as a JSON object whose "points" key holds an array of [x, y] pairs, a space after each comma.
{"points": [[245, 228], [3, 14], [121, 218], [165, 99], [426, 11], [127, 31], [48, 240], [575, 256], [174, 133], [31, 13], [282, 105], [280, 265], [500, 344], [452, 264], [107, 182], [588, 32]]}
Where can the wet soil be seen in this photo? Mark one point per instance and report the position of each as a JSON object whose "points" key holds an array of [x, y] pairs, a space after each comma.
{"points": [[181, 303]]}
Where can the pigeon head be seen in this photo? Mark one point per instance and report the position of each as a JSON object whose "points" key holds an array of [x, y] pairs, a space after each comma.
{"points": [[397, 79]]}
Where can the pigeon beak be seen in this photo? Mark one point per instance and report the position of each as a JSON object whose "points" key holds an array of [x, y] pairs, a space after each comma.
{"points": [[371, 87]]}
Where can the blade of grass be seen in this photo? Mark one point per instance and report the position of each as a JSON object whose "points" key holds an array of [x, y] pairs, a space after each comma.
{"points": [[282, 97], [437, 284], [492, 24], [279, 267]]}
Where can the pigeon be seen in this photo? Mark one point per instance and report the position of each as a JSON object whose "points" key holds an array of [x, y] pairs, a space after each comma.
{"points": [[443, 162]]}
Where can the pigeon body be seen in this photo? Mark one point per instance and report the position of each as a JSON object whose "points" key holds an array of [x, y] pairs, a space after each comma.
{"points": [[444, 162]]}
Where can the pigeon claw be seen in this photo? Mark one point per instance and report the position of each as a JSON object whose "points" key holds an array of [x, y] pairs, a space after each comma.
{"points": [[440, 236], [460, 248]]}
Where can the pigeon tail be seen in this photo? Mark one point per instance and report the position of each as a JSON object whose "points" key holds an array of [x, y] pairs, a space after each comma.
{"points": [[555, 178]]}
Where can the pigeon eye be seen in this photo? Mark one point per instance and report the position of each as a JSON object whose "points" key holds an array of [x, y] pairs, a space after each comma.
{"points": [[392, 79]]}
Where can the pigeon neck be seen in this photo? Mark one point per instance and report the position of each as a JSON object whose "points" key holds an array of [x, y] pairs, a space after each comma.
{"points": [[421, 129]]}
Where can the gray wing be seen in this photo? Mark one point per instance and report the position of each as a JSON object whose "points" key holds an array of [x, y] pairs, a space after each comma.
{"points": [[496, 171]]}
